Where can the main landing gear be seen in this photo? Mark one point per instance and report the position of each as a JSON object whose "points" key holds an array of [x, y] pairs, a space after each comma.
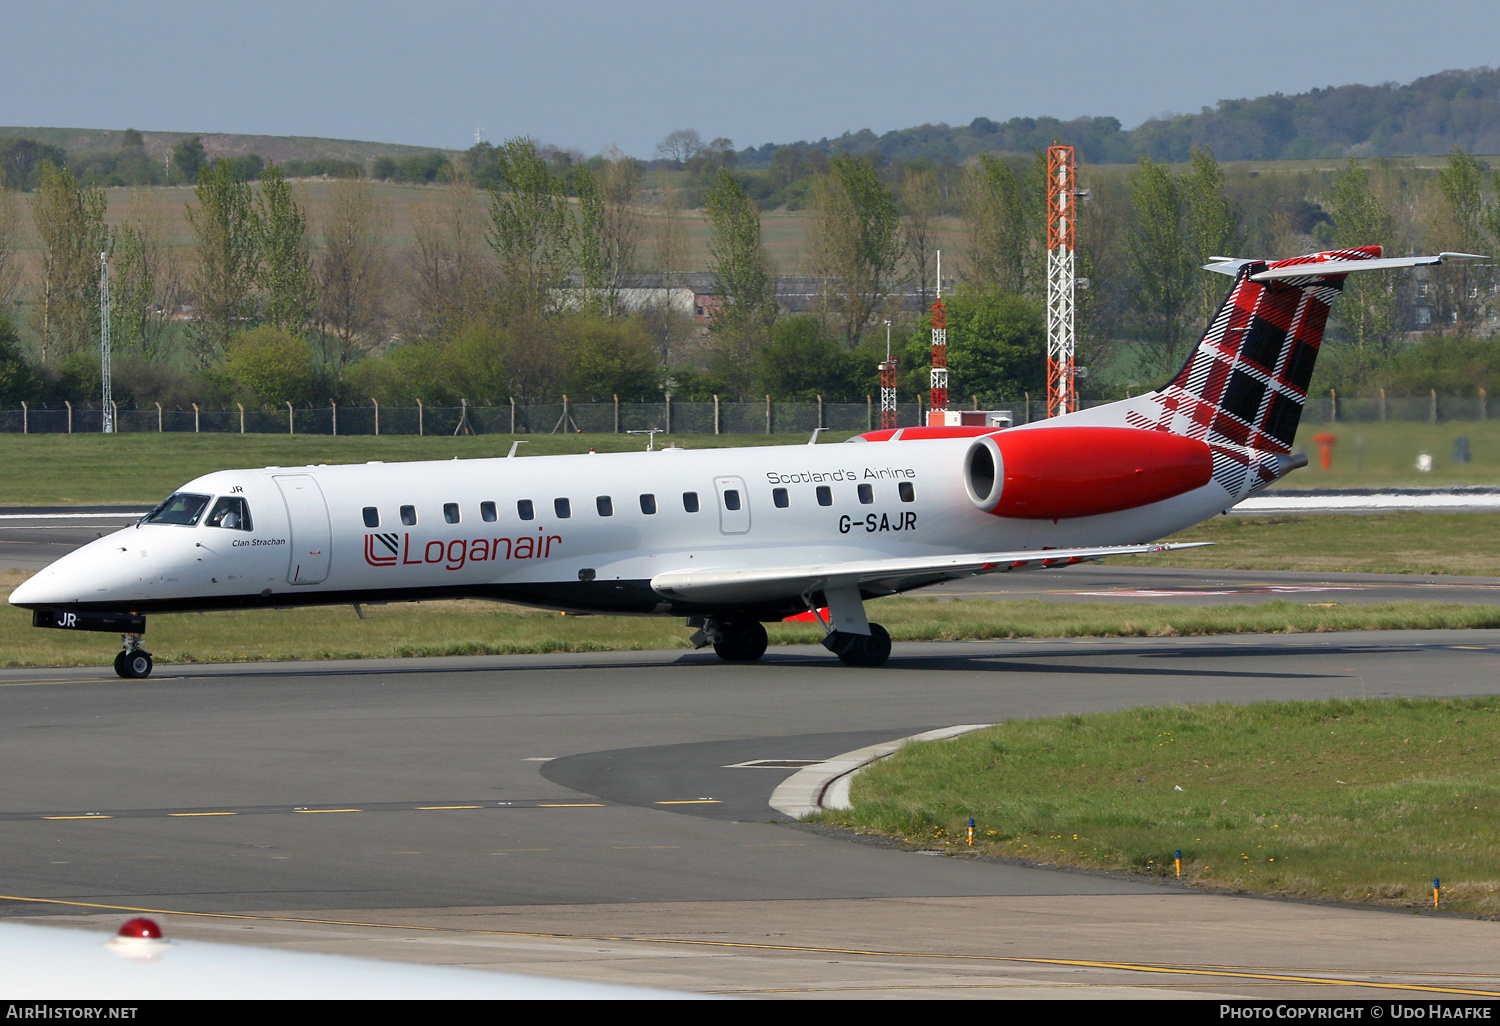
{"points": [[735, 641], [133, 662], [867, 650]]}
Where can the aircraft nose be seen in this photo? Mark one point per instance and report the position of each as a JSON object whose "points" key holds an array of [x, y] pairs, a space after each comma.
{"points": [[76, 577]]}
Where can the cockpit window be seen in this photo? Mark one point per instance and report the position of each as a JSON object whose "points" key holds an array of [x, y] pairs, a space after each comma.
{"points": [[182, 508], [231, 512]]}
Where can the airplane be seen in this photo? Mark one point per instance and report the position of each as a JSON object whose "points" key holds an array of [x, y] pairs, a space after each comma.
{"points": [[734, 538]]}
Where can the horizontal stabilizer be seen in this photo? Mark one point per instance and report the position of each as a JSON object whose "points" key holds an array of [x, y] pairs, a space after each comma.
{"points": [[1231, 266], [880, 575]]}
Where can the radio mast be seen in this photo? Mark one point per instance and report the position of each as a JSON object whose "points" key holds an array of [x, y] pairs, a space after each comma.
{"points": [[1062, 200], [104, 361], [939, 404]]}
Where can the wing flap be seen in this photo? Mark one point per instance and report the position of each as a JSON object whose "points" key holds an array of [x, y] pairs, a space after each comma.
{"points": [[763, 584]]}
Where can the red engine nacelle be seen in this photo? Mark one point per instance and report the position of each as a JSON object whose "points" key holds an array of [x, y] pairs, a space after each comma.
{"points": [[1051, 473]]}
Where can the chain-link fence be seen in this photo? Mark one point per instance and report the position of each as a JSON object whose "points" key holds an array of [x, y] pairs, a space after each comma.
{"points": [[668, 416]]}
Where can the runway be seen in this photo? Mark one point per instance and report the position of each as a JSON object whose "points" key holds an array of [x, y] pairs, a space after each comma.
{"points": [[587, 816]]}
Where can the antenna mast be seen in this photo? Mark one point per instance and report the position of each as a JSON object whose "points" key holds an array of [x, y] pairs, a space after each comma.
{"points": [[104, 361], [888, 385], [1062, 201]]}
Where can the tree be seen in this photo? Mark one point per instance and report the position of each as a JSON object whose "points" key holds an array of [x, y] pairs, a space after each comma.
{"points": [[921, 200], [1367, 307], [285, 274], [1213, 224], [856, 243], [670, 238], [1162, 261], [449, 277], [70, 222], [1461, 228], [995, 223], [353, 272], [225, 241], [608, 231], [531, 229], [17, 382], [272, 366], [680, 146], [802, 362], [602, 358], [187, 159], [997, 345], [738, 262], [10, 241], [145, 278]]}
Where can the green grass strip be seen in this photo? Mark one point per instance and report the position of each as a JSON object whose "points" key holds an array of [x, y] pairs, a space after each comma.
{"points": [[1347, 800]]}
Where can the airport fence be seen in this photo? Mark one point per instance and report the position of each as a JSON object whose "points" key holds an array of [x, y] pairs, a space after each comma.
{"points": [[668, 416]]}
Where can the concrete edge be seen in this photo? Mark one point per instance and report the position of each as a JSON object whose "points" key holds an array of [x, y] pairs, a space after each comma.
{"points": [[826, 785]]}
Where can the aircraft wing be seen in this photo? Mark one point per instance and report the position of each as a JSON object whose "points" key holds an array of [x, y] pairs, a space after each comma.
{"points": [[877, 575]]}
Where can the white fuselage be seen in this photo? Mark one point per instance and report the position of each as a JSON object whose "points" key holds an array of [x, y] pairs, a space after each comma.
{"points": [[310, 542]]}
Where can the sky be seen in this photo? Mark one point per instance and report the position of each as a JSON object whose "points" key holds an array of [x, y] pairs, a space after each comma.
{"points": [[588, 75]]}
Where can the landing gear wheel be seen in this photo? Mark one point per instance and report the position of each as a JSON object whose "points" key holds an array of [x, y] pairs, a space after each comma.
{"points": [[742, 642], [133, 665], [869, 651]]}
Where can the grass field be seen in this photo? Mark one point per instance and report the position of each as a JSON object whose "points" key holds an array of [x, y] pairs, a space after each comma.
{"points": [[1387, 543], [153, 464], [146, 468], [1363, 801], [485, 628]]}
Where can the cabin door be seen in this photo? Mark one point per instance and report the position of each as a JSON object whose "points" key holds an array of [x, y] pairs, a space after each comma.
{"points": [[311, 534]]}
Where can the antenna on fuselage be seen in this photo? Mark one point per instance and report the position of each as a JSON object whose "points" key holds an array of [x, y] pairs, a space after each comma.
{"points": [[816, 432], [650, 441], [516, 445]]}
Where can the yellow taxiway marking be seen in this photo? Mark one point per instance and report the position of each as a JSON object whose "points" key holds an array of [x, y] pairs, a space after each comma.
{"points": [[424, 808], [1226, 971], [29, 683], [90, 816], [691, 801], [327, 810], [571, 805], [203, 814], [640, 847]]}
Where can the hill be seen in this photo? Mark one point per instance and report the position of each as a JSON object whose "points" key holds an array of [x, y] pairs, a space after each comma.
{"points": [[278, 148], [1422, 118]]}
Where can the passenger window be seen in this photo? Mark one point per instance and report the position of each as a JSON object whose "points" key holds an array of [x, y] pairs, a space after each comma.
{"points": [[563, 508], [778, 496], [605, 505], [487, 512], [450, 512], [690, 501], [231, 513], [372, 516], [731, 498], [409, 516], [866, 494], [648, 503], [908, 493], [825, 495], [525, 509]]}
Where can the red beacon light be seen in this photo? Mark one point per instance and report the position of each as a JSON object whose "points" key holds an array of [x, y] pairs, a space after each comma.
{"points": [[140, 928], [139, 940]]}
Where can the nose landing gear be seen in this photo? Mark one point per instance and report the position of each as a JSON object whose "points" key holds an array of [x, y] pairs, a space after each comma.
{"points": [[133, 662]]}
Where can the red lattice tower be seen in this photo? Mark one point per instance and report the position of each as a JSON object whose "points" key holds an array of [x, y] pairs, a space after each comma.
{"points": [[888, 393], [939, 358], [1062, 200]]}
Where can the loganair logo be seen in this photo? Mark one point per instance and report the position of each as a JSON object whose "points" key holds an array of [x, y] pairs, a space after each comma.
{"points": [[392, 549]]}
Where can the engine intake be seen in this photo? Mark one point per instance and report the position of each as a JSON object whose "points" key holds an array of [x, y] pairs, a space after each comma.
{"points": [[1051, 473]]}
